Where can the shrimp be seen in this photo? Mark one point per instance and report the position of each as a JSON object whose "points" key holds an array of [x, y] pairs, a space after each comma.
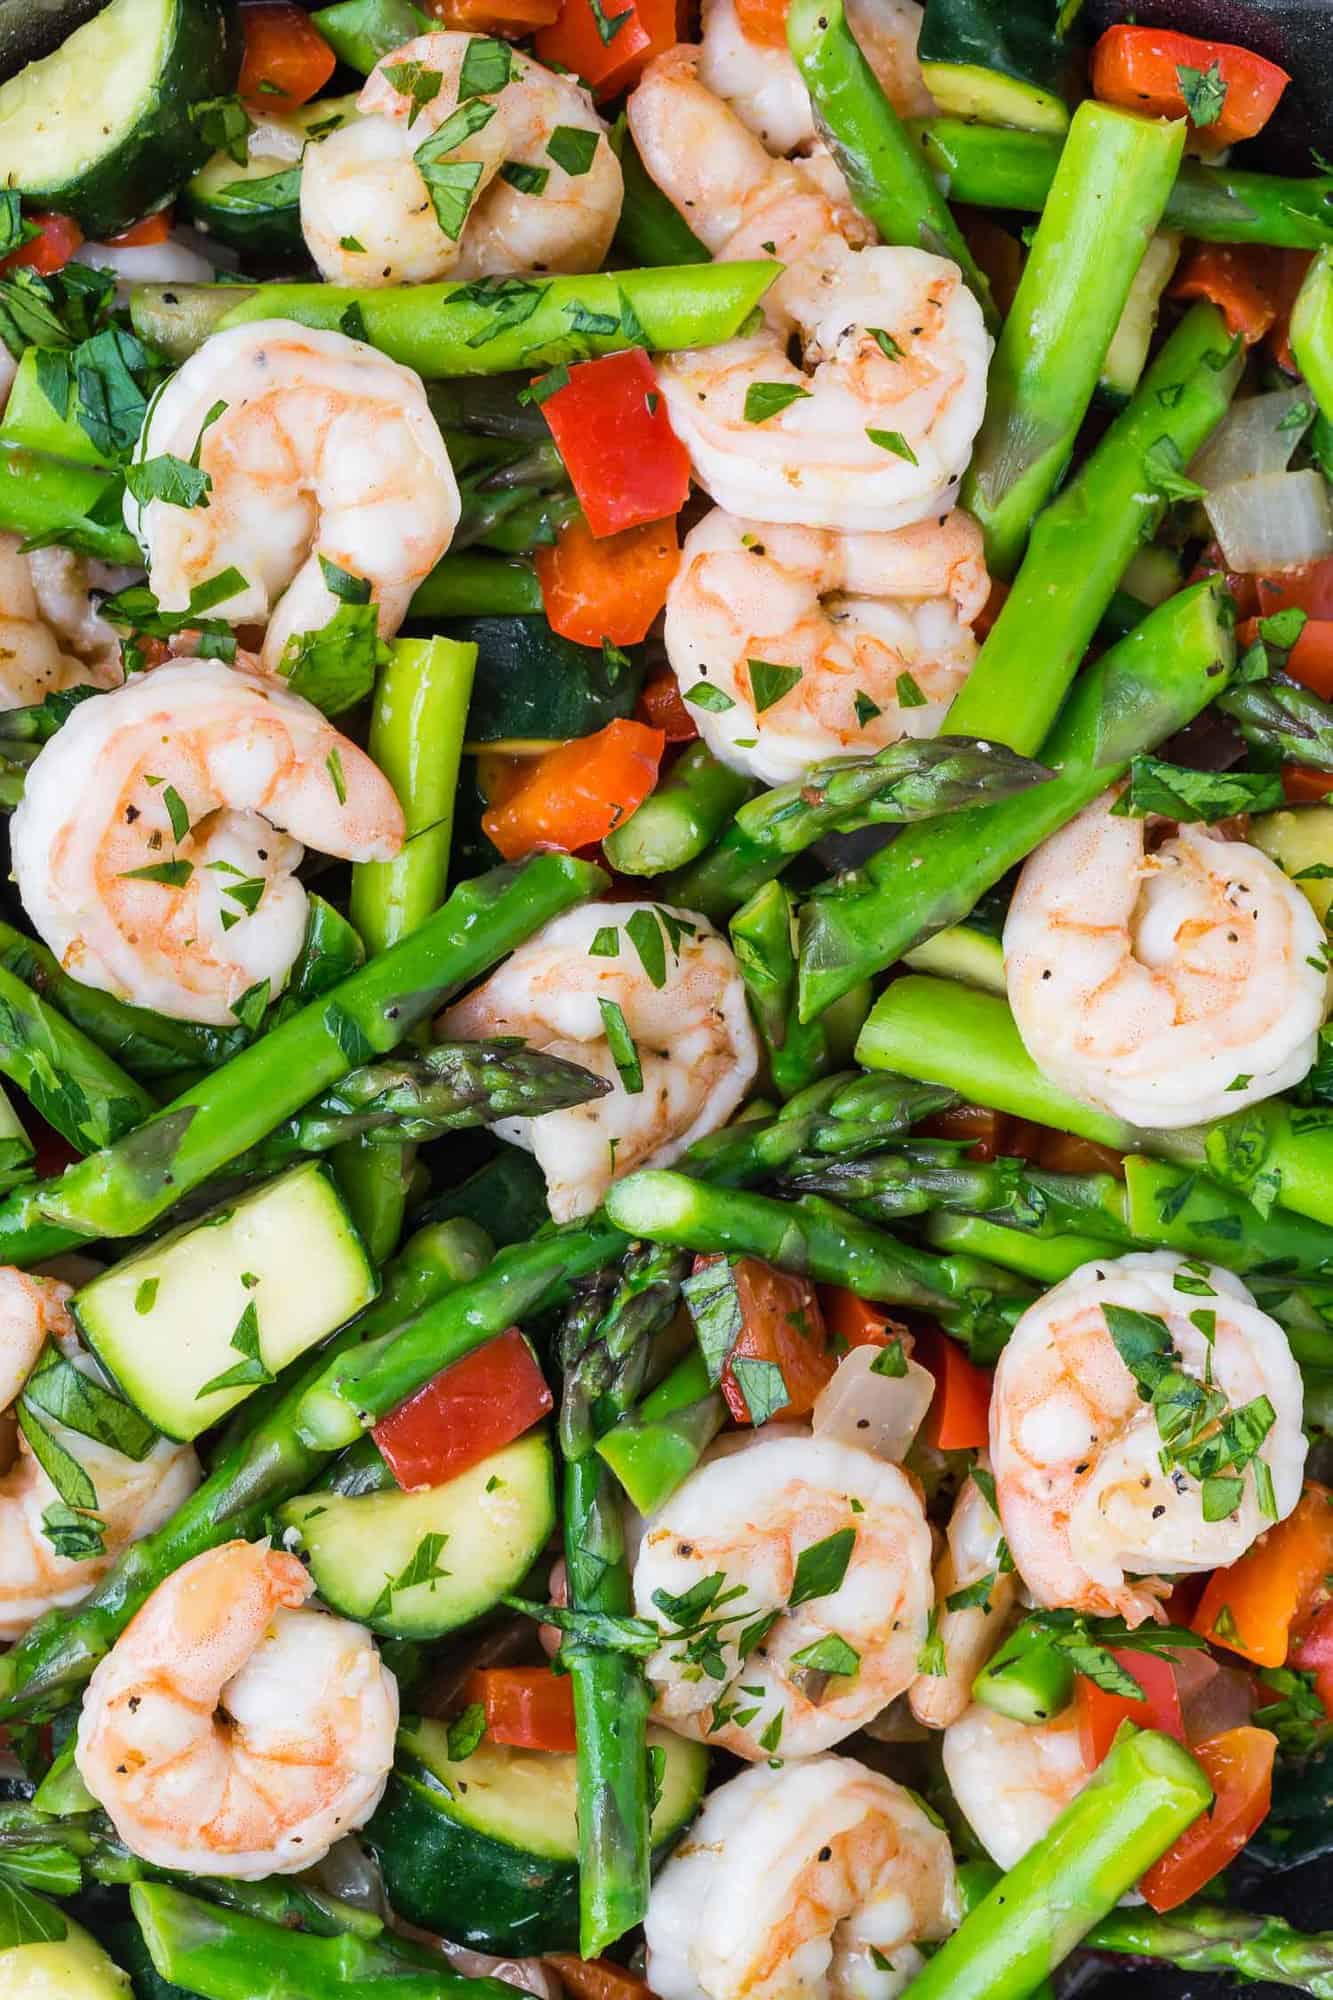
{"points": [[742, 1522], [1169, 988], [763, 85], [1089, 1513], [133, 1496], [230, 1731], [816, 1879], [367, 212], [969, 1633], [319, 450], [145, 847], [50, 635], [1012, 1780], [883, 410], [860, 621], [691, 1032]]}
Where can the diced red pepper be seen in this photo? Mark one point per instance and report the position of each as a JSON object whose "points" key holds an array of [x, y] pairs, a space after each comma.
{"points": [[982, 1128], [959, 1415], [1239, 1766], [763, 22], [1309, 589], [1253, 1607], [780, 1323], [574, 795], [991, 609], [596, 1978], [1140, 69], [286, 59], [609, 43], [1292, 266], [465, 1414], [661, 707], [610, 424], [855, 1322], [1066, 1153], [1302, 787], [1100, 1714], [58, 240], [529, 1708], [1313, 1654], [152, 229], [1310, 660], [509, 18], [597, 587], [1238, 278]]}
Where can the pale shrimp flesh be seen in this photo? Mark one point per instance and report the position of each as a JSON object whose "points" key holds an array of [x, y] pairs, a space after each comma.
{"points": [[320, 452], [873, 429], [1012, 1780], [677, 992], [725, 1569], [1171, 987], [817, 1879], [146, 846], [534, 184], [763, 86], [972, 1567], [1097, 1510], [230, 1730], [822, 644], [133, 1496], [51, 635]]}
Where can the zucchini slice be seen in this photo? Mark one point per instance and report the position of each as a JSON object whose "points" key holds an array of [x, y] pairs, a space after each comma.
{"points": [[1004, 65], [28, 33], [1127, 355], [533, 688], [485, 1849], [102, 128], [257, 206], [74, 1968], [470, 1540]]}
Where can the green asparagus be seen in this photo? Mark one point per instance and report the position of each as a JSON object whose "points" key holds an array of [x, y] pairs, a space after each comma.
{"points": [[1283, 718], [79, 1090], [1312, 331], [654, 1446], [469, 585], [682, 815]]}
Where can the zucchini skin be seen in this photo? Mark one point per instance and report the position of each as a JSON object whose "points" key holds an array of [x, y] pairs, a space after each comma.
{"points": [[533, 686], [1013, 52], [272, 230], [145, 167]]}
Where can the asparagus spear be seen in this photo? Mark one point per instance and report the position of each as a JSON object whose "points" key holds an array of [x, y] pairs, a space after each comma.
{"points": [[82, 1092], [887, 178], [654, 1446], [222, 1954], [682, 816], [467, 585], [604, 1352], [1081, 543], [1280, 716], [1145, 1793], [1044, 1259], [917, 778], [1148, 685], [990, 166], [1106, 199], [488, 327], [127, 1186], [763, 937], [48, 499], [1312, 331], [416, 737]]}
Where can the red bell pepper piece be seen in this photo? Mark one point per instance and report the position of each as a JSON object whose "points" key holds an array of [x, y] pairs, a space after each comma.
{"points": [[608, 586], [529, 1708], [574, 795], [1253, 1607], [58, 238], [1313, 1654], [959, 1415], [661, 707], [152, 229], [1310, 660], [1239, 1766], [1240, 279], [763, 21], [465, 1413], [610, 424], [286, 59], [1140, 69], [1308, 589], [780, 1323], [609, 43], [1100, 1714]]}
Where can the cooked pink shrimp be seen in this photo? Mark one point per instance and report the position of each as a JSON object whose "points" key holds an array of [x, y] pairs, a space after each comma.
{"points": [[231, 1732], [764, 87], [1012, 1780], [133, 1496], [747, 1515], [187, 772], [866, 622], [1170, 988], [969, 1634], [319, 450], [50, 635], [817, 1879], [1093, 1521]]}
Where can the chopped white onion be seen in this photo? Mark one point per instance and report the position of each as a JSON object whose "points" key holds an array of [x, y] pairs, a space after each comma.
{"points": [[1278, 522], [879, 1413], [1251, 439]]}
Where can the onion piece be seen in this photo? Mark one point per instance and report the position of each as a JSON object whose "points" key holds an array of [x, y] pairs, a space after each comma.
{"points": [[1251, 439], [879, 1413], [1281, 521]]}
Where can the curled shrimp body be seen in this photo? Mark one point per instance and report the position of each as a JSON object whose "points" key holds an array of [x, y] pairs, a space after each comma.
{"points": [[50, 635], [876, 629], [1171, 987], [134, 1496], [764, 87], [317, 447], [1092, 1519], [367, 213], [968, 1634], [885, 404], [745, 1517], [695, 1045], [1012, 1780], [186, 773], [231, 1732], [816, 1880]]}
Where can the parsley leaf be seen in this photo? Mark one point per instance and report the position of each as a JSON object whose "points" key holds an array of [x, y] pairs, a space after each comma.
{"points": [[769, 682], [619, 1040], [821, 1568], [769, 399]]}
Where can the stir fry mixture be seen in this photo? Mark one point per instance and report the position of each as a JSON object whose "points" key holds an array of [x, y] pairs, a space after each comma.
{"points": [[666, 1156]]}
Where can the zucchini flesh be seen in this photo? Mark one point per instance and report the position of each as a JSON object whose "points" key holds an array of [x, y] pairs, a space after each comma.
{"points": [[533, 688], [1127, 355], [103, 127], [1003, 64], [256, 205]]}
